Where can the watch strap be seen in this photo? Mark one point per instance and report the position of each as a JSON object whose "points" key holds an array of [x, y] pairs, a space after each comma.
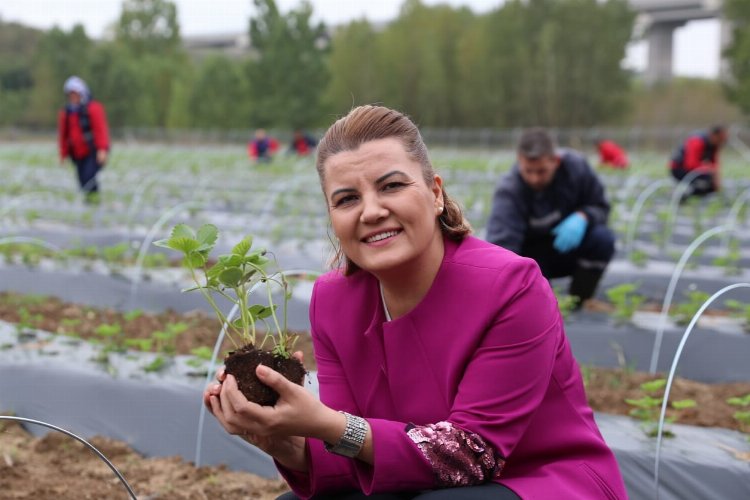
{"points": [[353, 438]]}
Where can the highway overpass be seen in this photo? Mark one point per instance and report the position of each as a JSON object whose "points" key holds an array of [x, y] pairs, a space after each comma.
{"points": [[657, 21]]}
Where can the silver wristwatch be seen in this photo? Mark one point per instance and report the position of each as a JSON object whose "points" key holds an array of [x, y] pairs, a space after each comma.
{"points": [[351, 442]]}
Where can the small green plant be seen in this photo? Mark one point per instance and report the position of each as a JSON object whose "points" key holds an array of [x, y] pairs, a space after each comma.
{"points": [[232, 277], [132, 315], [115, 253], [731, 261], [159, 363], [742, 310], [165, 340], [26, 321], [647, 408], [685, 311], [67, 326], [140, 344], [201, 355], [567, 303], [742, 416], [639, 257], [626, 301], [111, 337]]}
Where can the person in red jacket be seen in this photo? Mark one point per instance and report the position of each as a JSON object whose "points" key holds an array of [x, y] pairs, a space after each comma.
{"points": [[302, 143], [83, 135], [699, 156], [262, 147], [611, 154]]}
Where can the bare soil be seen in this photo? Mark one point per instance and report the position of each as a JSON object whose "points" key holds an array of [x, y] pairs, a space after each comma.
{"points": [[56, 467], [60, 468]]}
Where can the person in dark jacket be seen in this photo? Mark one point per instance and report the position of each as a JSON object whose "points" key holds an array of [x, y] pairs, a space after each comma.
{"points": [[698, 156], [552, 208], [302, 143], [83, 135]]}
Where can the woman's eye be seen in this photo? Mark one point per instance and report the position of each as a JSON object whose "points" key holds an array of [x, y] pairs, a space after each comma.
{"points": [[344, 200], [393, 185]]}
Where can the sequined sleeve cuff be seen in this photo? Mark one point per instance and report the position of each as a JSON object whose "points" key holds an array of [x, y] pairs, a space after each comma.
{"points": [[457, 457]]}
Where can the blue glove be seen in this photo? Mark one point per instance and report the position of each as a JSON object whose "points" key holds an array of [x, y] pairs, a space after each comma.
{"points": [[569, 233]]}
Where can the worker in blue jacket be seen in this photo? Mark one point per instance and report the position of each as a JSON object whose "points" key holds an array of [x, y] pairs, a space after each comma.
{"points": [[552, 207]]}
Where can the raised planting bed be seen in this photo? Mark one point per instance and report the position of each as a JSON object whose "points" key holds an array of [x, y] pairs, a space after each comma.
{"points": [[713, 353], [157, 414], [161, 293]]}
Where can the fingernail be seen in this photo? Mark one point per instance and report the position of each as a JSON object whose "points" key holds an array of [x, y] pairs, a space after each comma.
{"points": [[262, 370]]}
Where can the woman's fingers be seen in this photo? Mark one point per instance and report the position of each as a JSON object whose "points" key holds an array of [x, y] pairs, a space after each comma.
{"points": [[275, 381]]}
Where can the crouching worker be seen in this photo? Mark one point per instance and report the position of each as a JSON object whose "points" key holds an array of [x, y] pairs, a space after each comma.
{"points": [[552, 207], [698, 156], [408, 330]]}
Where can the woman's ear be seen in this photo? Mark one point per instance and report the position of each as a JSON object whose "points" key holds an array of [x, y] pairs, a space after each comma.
{"points": [[437, 189]]}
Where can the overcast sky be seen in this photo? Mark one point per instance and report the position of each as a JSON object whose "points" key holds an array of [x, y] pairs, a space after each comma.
{"points": [[696, 45]]}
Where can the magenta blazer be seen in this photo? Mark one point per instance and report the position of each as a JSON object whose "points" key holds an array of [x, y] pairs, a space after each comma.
{"points": [[486, 351]]}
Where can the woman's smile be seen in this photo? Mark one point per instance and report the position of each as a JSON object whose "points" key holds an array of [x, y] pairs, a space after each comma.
{"points": [[382, 237]]}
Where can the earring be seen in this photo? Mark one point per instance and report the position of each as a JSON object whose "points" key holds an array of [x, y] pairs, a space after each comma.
{"points": [[440, 209]]}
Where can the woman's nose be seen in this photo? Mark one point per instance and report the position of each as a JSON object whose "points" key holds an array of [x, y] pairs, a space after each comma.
{"points": [[372, 210]]}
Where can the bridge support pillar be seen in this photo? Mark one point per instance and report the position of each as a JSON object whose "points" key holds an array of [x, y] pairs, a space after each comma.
{"points": [[660, 38]]}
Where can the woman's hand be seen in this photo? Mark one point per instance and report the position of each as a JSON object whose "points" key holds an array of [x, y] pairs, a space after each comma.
{"points": [[101, 157], [278, 430]]}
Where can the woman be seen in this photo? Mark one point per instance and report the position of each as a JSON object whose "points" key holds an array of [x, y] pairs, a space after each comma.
{"points": [[83, 135], [442, 359]]}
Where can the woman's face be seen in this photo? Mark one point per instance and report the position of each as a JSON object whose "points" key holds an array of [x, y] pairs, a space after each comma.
{"points": [[381, 209], [74, 98]]}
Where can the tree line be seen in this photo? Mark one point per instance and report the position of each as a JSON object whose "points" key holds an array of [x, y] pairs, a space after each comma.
{"points": [[545, 62]]}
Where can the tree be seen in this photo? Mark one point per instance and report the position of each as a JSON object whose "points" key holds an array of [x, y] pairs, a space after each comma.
{"points": [[18, 44], [149, 26], [122, 86], [219, 96], [288, 74], [59, 55], [353, 67], [738, 53], [418, 61], [551, 63]]}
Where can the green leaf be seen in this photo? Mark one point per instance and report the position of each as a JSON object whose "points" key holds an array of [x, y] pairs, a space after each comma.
{"points": [[107, 330], [231, 260], [194, 260], [230, 276], [215, 270], [258, 311], [184, 245], [207, 235], [683, 403], [156, 365], [653, 385], [202, 352], [243, 246], [257, 258], [740, 401], [182, 231]]}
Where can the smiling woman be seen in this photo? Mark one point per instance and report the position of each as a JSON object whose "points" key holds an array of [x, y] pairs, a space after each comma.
{"points": [[443, 367]]}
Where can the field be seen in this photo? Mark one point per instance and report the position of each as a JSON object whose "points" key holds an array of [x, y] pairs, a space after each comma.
{"points": [[93, 325]]}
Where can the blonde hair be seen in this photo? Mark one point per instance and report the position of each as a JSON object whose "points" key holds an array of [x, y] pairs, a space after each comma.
{"points": [[369, 123]]}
